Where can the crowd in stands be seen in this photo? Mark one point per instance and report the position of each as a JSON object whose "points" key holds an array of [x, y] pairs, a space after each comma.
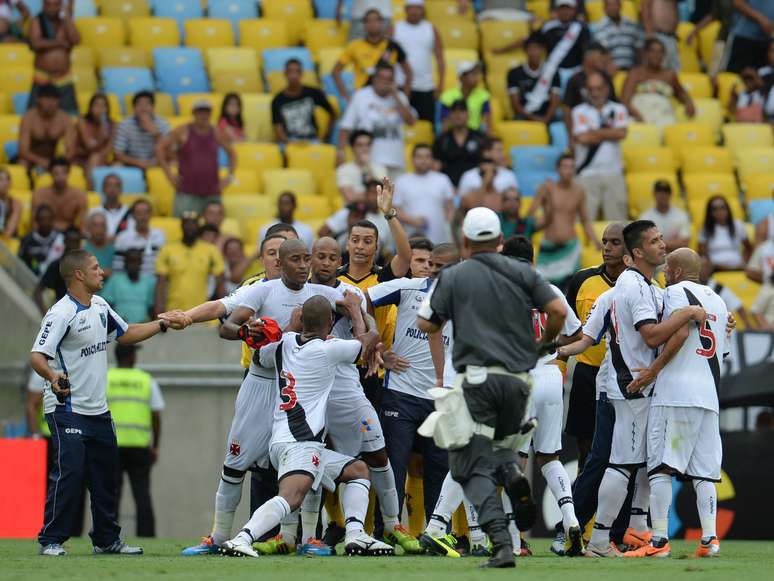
{"points": [[559, 115]]}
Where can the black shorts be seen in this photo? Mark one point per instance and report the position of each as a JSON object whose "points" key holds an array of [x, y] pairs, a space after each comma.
{"points": [[582, 411], [423, 103], [372, 386]]}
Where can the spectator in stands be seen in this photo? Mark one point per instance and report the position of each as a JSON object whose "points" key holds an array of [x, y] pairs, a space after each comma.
{"points": [[424, 198], [760, 268], [358, 11], [41, 129], [90, 139], [287, 204], [722, 238], [10, 207], [137, 136], [660, 19], [292, 109], [364, 54], [733, 302], [748, 105], [352, 177], [534, 87], [650, 88], [98, 242], [595, 60], [52, 36], [492, 151], [149, 240], [765, 228], [705, 12], [621, 36], [566, 36], [750, 34], [421, 41], [13, 30], [598, 128], [383, 110], [197, 181], [475, 97], [52, 279], [116, 213], [235, 264], [498, 9], [673, 223], [763, 307], [511, 222], [131, 292], [213, 215], [458, 148], [183, 269], [69, 203], [230, 121], [35, 246]]}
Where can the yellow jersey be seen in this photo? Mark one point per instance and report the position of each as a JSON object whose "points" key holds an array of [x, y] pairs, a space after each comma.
{"points": [[188, 269], [584, 288], [364, 56], [385, 316]]}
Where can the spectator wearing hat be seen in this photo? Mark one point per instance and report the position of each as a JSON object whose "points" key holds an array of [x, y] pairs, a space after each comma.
{"points": [[42, 128], [137, 136], [673, 223], [533, 87], [197, 181], [621, 36], [475, 97], [459, 147]]}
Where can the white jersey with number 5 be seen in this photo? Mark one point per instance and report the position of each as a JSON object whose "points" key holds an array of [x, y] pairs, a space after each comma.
{"points": [[692, 377]]}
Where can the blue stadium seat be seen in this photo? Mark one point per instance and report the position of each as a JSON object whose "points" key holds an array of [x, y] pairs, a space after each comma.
{"points": [[759, 209], [329, 86], [180, 70], [233, 10], [180, 10], [127, 80], [84, 9], [274, 59], [11, 149], [34, 6], [564, 78], [20, 101], [172, 58], [534, 158], [132, 178], [327, 9], [529, 181], [184, 81], [559, 138]]}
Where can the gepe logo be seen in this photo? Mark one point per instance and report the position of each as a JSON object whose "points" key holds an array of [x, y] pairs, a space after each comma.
{"points": [[44, 334], [73, 431]]}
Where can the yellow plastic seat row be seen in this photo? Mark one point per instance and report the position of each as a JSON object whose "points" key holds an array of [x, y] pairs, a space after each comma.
{"points": [[649, 159], [295, 14], [458, 33], [743, 287], [756, 160], [640, 189], [701, 187], [739, 137], [698, 208], [758, 186]]}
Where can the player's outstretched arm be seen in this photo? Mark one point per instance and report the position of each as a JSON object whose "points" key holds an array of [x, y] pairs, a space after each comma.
{"points": [[240, 316], [576, 347], [141, 331], [647, 376], [209, 311]]}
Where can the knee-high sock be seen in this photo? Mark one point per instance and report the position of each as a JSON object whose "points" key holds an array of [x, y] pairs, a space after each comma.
{"points": [[638, 518], [660, 501], [513, 530], [383, 484], [226, 502], [707, 503], [310, 511], [558, 482], [477, 536], [268, 516], [333, 507], [448, 500], [354, 499], [289, 527], [612, 493]]}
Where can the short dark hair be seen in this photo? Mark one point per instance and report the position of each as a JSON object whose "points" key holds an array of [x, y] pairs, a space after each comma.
{"points": [[291, 195], [535, 37], [217, 203], [445, 248], [41, 209], [650, 41], [383, 65], [565, 155], [371, 11], [459, 104], [316, 313], [662, 186], [280, 227], [267, 238], [421, 243], [140, 202], [372, 184], [143, 95], [49, 91], [597, 47], [293, 61], [208, 228], [71, 261], [632, 233], [519, 247], [115, 176], [58, 161], [419, 146], [364, 224], [360, 133]]}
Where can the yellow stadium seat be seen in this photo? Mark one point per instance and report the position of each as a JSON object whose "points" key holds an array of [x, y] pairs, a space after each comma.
{"points": [[458, 33], [164, 104], [420, 132], [743, 287], [16, 55], [101, 32], [9, 127], [124, 56], [76, 179], [619, 80], [697, 85], [85, 80], [207, 33], [25, 220], [19, 179], [759, 186], [298, 181], [704, 186], [327, 59], [522, 133], [440, 10], [256, 110], [5, 105], [246, 207], [129, 199], [260, 34], [726, 82], [258, 157], [231, 58], [321, 157], [252, 228], [681, 136], [707, 37], [641, 135], [161, 192], [176, 121], [295, 13], [689, 54], [323, 33], [231, 227], [499, 33], [276, 81], [649, 159], [170, 226], [496, 64], [124, 9], [93, 199], [15, 80], [698, 208], [236, 81], [742, 136], [540, 8], [709, 112], [115, 105], [186, 100], [756, 160], [590, 257], [245, 182], [312, 208], [706, 160], [640, 187], [152, 33], [83, 56]]}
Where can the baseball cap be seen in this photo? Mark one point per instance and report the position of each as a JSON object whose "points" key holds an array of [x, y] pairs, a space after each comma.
{"points": [[459, 104], [414, 3], [570, 3], [480, 225], [189, 215], [464, 67], [202, 104]]}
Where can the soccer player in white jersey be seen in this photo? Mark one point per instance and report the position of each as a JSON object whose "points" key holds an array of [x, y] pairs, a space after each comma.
{"points": [[70, 354], [683, 431], [635, 332], [305, 368]]}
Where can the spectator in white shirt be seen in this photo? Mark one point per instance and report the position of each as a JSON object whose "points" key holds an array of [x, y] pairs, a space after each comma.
{"points": [[352, 177], [142, 236], [761, 266], [424, 198], [722, 238], [673, 223], [114, 211], [286, 208], [504, 178]]}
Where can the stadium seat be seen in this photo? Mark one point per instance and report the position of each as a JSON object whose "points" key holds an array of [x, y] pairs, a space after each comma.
{"points": [[246, 181], [498, 33], [16, 55], [85, 80], [127, 80], [150, 33], [237, 81], [707, 37], [180, 10], [759, 186], [320, 34], [124, 56], [641, 135], [124, 9], [742, 136], [276, 81], [231, 58], [649, 159], [18, 173], [116, 112], [420, 132], [248, 207], [83, 8], [704, 186], [19, 102], [6, 107], [295, 13], [84, 56], [15, 80], [101, 32], [207, 33], [274, 59], [298, 181], [312, 208], [327, 59], [185, 103], [327, 9], [258, 157], [559, 138], [698, 209], [233, 11], [132, 178], [180, 70], [682, 136], [330, 88], [709, 112], [697, 85], [164, 104], [76, 179], [173, 232], [706, 160], [534, 158], [9, 128], [458, 33], [319, 157], [161, 192], [743, 287], [640, 188], [759, 209], [440, 10], [756, 160], [688, 53], [496, 64], [256, 109], [261, 34], [522, 133], [726, 82], [530, 181]]}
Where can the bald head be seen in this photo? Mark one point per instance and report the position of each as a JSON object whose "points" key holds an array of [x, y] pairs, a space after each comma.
{"points": [[325, 244], [614, 229], [317, 316], [682, 264], [289, 247]]}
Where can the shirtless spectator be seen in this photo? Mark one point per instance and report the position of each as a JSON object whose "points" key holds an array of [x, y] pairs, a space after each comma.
{"points": [[563, 203], [136, 138], [53, 36], [69, 203], [660, 19], [10, 207], [42, 127]]}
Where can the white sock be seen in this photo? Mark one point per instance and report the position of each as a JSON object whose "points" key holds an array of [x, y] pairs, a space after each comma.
{"points": [[513, 530], [226, 502], [638, 518], [354, 501], [289, 527], [707, 503], [310, 512], [448, 501], [383, 482], [265, 518], [558, 482], [477, 536], [660, 501], [612, 493]]}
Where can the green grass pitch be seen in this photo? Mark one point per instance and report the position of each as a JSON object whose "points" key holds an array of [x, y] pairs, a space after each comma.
{"points": [[740, 561]]}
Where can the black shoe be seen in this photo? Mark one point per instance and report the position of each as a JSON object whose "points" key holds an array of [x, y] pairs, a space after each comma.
{"points": [[334, 535], [502, 558], [463, 544], [575, 548], [517, 487]]}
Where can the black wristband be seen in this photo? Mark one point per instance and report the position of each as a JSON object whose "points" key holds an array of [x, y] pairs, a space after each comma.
{"points": [[163, 325]]}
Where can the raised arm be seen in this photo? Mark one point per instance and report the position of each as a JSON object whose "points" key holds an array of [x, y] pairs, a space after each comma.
{"points": [[401, 262]]}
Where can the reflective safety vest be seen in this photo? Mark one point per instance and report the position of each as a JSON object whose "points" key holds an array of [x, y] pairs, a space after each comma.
{"points": [[44, 431], [129, 397]]}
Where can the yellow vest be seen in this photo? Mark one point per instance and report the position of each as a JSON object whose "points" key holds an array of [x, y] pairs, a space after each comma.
{"points": [[129, 397], [44, 431]]}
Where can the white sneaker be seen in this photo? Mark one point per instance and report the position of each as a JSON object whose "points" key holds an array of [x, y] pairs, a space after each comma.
{"points": [[52, 550], [610, 550], [239, 546], [363, 545]]}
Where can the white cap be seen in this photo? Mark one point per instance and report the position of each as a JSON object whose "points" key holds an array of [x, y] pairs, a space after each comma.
{"points": [[201, 104], [481, 224], [414, 3], [570, 3], [464, 67]]}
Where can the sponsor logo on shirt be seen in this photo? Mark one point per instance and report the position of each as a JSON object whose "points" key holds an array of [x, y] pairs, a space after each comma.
{"points": [[234, 448], [44, 334], [93, 349], [73, 431], [422, 336]]}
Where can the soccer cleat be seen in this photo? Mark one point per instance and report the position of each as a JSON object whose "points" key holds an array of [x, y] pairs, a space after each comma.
{"points": [[334, 534], [636, 539], [206, 547], [275, 546], [314, 548], [502, 558], [118, 548], [52, 550], [402, 537], [574, 544], [557, 545], [480, 551], [651, 550], [524, 549], [709, 549], [239, 546], [363, 545], [446, 546], [610, 551]]}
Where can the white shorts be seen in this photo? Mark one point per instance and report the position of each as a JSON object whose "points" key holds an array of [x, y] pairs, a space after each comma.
{"points": [[352, 422], [685, 439], [250, 434], [313, 458], [547, 405], [630, 431]]}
